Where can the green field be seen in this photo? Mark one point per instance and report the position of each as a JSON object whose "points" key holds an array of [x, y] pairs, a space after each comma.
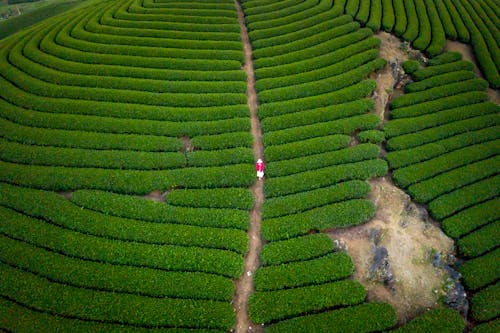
{"points": [[106, 102]]}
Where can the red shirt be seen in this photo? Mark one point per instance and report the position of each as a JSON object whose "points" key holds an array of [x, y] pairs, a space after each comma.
{"points": [[259, 166]]}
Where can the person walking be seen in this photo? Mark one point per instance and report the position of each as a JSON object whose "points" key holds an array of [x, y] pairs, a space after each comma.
{"points": [[259, 166]]}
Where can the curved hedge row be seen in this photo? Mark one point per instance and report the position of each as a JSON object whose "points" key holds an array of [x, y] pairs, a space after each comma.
{"points": [[445, 153]]}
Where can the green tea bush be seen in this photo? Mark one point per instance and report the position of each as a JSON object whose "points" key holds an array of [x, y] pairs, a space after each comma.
{"points": [[296, 249], [257, 21], [299, 30], [320, 87], [44, 295], [480, 272], [411, 66], [88, 140], [313, 51], [462, 31], [411, 32], [346, 94], [313, 116], [388, 15], [295, 203], [116, 278], [438, 40], [255, 8], [371, 136], [403, 158], [448, 26], [147, 210], [88, 247], [375, 18], [367, 317], [416, 173], [439, 80], [424, 26], [403, 126], [439, 92], [353, 61], [401, 19], [337, 215], [471, 218], [334, 266], [108, 159], [306, 147], [442, 132], [54, 208], [200, 158], [236, 198], [264, 307], [344, 26], [445, 58], [485, 304], [312, 179], [344, 48], [437, 320], [480, 241], [447, 67], [445, 103], [352, 7], [223, 140], [489, 327], [125, 181], [353, 154], [464, 197]]}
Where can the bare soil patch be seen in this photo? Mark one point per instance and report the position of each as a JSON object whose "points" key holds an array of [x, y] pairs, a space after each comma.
{"points": [[411, 239]]}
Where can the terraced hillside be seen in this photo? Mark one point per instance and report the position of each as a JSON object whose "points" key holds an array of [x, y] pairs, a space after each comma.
{"points": [[109, 103], [444, 142], [126, 161]]}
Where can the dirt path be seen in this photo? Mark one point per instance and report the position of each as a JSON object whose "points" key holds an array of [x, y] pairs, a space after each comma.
{"points": [[245, 286]]}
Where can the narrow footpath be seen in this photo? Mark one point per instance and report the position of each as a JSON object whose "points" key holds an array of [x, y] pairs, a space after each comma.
{"points": [[245, 285]]}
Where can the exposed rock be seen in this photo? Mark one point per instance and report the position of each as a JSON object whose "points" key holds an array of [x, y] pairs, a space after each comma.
{"points": [[380, 269], [456, 298], [339, 245], [375, 235]]}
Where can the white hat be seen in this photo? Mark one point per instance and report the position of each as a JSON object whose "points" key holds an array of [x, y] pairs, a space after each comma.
{"points": [[259, 160]]}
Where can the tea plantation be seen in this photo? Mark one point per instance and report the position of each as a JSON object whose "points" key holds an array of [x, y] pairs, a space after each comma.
{"points": [[108, 105]]}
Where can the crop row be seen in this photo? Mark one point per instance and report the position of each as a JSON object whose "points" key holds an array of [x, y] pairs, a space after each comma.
{"points": [[331, 267], [471, 218], [125, 181], [236, 198], [270, 306], [367, 317], [492, 326], [313, 179], [444, 320], [105, 277], [295, 249], [480, 241], [439, 80], [79, 245], [42, 294], [442, 132], [295, 203], [337, 215], [441, 104], [407, 157], [466, 196], [345, 47], [59, 211], [119, 159], [480, 272], [146, 210], [432, 188], [418, 172], [317, 145], [485, 304]]}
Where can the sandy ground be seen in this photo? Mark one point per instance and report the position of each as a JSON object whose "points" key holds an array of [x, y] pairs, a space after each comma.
{"points": [[468, 54], [410, 240], [244, 285]]}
